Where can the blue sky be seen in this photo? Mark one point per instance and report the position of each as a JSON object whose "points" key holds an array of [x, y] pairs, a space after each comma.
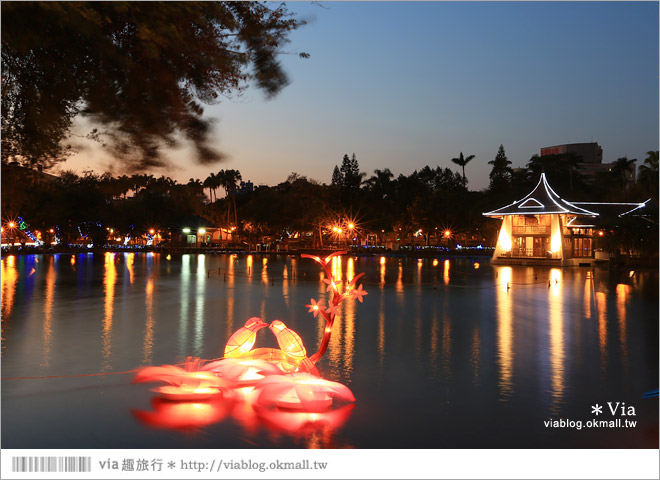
{"points": [[408, 84]]}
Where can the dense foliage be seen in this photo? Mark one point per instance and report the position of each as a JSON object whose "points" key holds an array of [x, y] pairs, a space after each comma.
{"points": [[429, 199], [140, 71]]}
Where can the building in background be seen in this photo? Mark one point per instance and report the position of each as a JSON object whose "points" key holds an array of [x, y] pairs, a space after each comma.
{"points": [[591, 159]]}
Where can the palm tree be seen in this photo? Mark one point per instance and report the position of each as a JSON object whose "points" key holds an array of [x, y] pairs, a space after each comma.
{"points": [[212, 182], [196, 185], [648, 174], [229, 181], [462, 162], [380, 181], [622, 169]]}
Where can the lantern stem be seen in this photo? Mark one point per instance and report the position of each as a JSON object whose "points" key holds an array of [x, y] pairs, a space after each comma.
{"points": [[326, 340]]}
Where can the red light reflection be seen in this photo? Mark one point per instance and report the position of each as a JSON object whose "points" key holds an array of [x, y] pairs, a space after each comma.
{"points": [[303, 423], [184, 415]]}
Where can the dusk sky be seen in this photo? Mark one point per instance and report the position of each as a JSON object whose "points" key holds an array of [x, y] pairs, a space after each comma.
{"points": [[408, 84]]}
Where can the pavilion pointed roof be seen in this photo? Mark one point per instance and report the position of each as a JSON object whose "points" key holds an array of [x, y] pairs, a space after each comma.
{"points": [[541, 201]]}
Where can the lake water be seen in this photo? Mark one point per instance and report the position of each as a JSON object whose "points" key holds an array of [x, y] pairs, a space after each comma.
{"points": [[443, 353]]}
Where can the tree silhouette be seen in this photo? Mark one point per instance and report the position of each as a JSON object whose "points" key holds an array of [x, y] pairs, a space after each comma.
{"points": [[229, 181], [462, 161], [139, 71], [500, 175], [622, 170], [647, 177]]}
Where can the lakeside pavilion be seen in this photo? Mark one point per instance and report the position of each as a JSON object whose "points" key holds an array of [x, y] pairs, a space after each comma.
{"points": [[544, 229]]}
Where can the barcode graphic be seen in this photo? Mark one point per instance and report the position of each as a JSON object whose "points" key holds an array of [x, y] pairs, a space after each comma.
{"points": [[51, 464]]}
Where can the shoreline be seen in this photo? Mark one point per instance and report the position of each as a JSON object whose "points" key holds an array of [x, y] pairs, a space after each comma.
{"points": [[362, 251], [405, 252]]}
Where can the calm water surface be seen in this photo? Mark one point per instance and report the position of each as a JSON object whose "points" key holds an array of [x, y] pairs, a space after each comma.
{"points": [[442, 353]]}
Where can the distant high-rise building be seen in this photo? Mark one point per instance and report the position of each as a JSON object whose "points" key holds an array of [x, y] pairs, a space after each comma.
{"points": [[591, 153], [591, 159]]}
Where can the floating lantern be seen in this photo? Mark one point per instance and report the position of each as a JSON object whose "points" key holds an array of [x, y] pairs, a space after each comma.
{"points": [[302, 392], [184, 415], [304, 423], [243, 372], [184, 385], [279, 387]]}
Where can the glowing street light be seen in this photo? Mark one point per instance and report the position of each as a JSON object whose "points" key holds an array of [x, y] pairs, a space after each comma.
{"points": [[152, 231]]}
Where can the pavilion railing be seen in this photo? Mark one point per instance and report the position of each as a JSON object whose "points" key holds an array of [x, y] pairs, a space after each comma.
{"points": [[531, 229]]}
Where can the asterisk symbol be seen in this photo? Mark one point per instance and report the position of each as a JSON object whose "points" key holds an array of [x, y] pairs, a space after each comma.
{"points": [[597, 409], [171, 464]]}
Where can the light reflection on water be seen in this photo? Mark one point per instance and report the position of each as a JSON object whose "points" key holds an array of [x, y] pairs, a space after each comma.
{"points": [[200, 298], [9, 279], [48, 310], [622, 298], [538, 341], [183, 302], [556, 340], [504, 307], [109, 280]]}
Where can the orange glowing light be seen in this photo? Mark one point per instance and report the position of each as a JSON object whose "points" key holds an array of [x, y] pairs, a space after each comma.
{"points": [[152, 231], [52, 231], [183, 385], [243, 339], [241, 371], [351, 226], [302, 423], [382, 260], [184, 415], [11, 224], [601, 233], [288, 340], [301, 392], [447, 233], [435, 262]]}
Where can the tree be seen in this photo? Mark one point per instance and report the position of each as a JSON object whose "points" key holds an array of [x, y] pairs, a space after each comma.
{"points": [[623, 170], [212, 182], [560, 169], [500, 175], [380, 182], [229, 181], [348, 179], [337, 178], [461, 161], [350, 172], [647, 177], [141, 71]]}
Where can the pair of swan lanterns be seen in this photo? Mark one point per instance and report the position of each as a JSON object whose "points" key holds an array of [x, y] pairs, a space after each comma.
{"points": [[282, 387]]}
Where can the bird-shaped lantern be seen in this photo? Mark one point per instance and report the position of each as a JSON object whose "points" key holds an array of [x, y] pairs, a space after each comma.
{"points": [[243, 339]]}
